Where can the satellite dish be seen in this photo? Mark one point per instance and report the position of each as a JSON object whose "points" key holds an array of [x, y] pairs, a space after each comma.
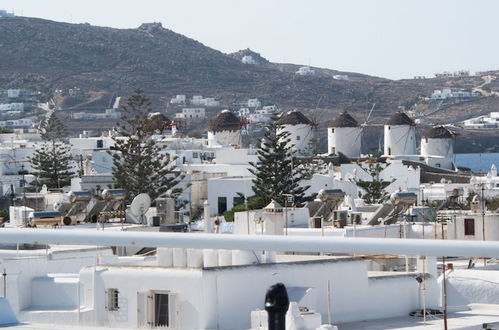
{"points": [[140, 205]]}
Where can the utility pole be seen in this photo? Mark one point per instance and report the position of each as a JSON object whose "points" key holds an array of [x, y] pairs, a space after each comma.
{"points": [[483, 217]]}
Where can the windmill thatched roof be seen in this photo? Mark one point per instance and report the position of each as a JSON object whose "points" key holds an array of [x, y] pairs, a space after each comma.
{"points": [[344, 120], [225, 121], [438, 132], [294, 117], [399, 118]]}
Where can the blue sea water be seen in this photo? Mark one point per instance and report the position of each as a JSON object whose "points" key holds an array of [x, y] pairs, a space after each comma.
{"points": [[478, 163]]}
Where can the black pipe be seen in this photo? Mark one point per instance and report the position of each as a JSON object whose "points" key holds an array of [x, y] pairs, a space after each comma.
{"points": [[276, 305]]}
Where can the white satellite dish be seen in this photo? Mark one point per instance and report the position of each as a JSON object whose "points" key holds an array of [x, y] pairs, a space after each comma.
{"points": [[140, 205]]}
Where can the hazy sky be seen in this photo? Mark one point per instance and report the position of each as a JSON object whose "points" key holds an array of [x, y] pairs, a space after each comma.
{"points": [[389, 38]]}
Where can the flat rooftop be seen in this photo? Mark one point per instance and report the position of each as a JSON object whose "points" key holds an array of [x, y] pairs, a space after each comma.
{"points": [[469, 319]]}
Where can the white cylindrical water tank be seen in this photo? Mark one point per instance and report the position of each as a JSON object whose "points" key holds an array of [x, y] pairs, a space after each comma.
{"points": [[165, 257], [210, 258], [224, 257], [270, 257], [344, 135], [245, 257], [195, 258], [399, 135], [300, 129], [179, 257]]}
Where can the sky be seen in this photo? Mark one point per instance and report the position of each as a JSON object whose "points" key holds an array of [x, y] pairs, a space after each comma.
{"points": [[388, 38]]}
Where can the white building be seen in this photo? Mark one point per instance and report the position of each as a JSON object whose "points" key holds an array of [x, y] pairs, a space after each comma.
{"points": [[12, 107], [191, 113], [301, 131], [13, 93], [254, 103], [344, 135], [467, 225], [341, 77], [179, 99], [197, 100], [248, 59], [224, 193], [263, 115], [210, 102], [305, 71], [399, 135], [225, 130], [439, 141], [17, 123], [488, 122], [107, 114]]}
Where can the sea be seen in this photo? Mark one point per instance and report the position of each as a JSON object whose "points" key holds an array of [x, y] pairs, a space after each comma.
{"points": [[478, 163]]}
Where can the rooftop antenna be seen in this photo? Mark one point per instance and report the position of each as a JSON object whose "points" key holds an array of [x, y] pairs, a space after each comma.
{"points": [[140, 205]]}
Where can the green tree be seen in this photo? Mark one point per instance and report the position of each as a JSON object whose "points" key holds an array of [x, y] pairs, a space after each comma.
{"points": [[375, 188], [52, 159], [275, 175], [139, 164]]}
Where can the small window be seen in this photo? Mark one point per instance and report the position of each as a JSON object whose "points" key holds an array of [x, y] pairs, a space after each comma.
{"points": [[112, 299], [194, 155], [469, 227], [389, 151], [100, 144], [238, 200], [437, 165], [332, 130], [297, 138]]}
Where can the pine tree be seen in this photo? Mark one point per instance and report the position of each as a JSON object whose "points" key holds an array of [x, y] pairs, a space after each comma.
{"points": [[375, 189], [139, 164], [52, 159], [275, 175]]}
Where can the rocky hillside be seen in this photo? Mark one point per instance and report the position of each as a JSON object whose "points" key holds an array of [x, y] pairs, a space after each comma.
{"points": [[105, 62]]}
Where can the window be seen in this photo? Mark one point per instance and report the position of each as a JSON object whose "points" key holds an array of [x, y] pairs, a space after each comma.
{"points": [[161, 310], [388, 127], [389, 151], [469, 227], [100, 144], [332, 130], [194, 155], [437, 165], [222, 204], [238, 200], [297, 138], [112, 299]]}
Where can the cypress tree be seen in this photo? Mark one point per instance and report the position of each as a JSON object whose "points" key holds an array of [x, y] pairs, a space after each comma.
{"points": [[275, 174], [139, 164], [52, 159]]}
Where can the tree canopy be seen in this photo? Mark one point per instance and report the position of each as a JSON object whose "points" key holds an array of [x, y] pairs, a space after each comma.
{"points": [[276, 177], [140, 165], [51, 159], [374, 189]]}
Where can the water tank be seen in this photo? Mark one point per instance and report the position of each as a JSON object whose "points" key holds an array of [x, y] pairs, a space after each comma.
{"points": [[330, 194], [79, 196], [113, 194], [195, 258], [210, 258], [45, 218], [179, 258], [401, 198], [165, 257], [225, 257], [245, 257]]}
